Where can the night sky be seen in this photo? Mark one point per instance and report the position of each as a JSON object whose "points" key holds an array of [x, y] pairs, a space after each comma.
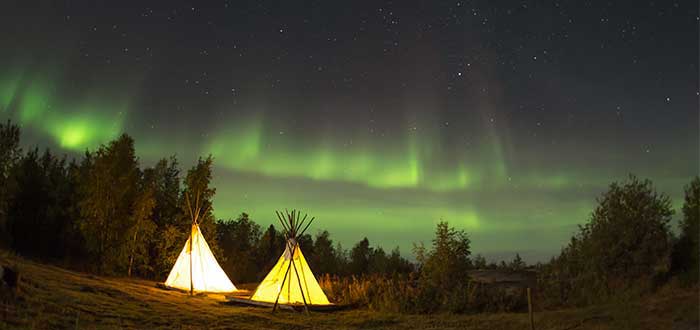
{"points": [[380, 118]]}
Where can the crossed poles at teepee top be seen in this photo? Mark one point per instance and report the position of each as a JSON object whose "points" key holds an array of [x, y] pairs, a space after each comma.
{"points": [[291, 228]]}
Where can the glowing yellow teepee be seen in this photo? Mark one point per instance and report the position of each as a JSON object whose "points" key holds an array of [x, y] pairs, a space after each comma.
{"points": [[291, 282], [196, 268]]}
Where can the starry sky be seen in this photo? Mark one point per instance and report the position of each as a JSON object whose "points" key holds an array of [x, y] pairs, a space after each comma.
{"points": [[506, 119]]}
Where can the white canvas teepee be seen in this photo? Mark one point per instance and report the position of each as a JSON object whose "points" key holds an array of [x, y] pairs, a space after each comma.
{"points": [[205, 274], [291, 281], [196, 268]]}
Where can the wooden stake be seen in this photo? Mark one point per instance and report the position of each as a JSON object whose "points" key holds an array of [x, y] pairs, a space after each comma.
{"points": [[303, 298], [281, 286], [529, 309], [191, 282]]}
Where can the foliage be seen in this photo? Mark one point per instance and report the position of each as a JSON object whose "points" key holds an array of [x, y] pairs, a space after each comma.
{"points": [[198, 192], [324, 259], [110, 190], [359, 257], [141, 231], [164, 178], [239, 238], [364, 259], [39, 211], [517, 263], [686, 249], [624, 245], [10, 154], [443, 270], [168, 246], [269, 248], [479, 262], [164, 247]]}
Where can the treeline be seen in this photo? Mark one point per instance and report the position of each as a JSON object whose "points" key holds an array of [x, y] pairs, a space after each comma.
{"points": [[626, 249], [104, 213], [251, 253]]}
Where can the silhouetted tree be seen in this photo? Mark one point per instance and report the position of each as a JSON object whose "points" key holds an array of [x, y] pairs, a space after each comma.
{"points": [[479, 262], [269, 249], [164, 179], [625, 243], [109, 192], [517, 263], [398, 264], [238, 239], [27, 211], [324, 260], [170, 242], [443, 276], [197, 187], [686, 249], [141, 230], [358, 262], [10, 153], [628, 234]]}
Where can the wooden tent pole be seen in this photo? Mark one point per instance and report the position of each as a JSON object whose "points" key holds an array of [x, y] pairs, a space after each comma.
{"points": [[191, 282], [306, 306], [281, 286]]}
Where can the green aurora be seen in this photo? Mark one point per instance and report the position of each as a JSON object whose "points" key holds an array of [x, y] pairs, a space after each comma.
{"points": [[391, 190]]}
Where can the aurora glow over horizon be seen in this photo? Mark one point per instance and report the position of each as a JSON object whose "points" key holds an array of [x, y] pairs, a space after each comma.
{"points": [[506, 120]]}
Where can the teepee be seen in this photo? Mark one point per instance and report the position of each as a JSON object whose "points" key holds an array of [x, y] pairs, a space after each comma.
{"points": [[291, 281], [196, 268]]}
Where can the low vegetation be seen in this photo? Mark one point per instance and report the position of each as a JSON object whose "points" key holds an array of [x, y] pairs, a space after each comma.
{"points": [[50, 297]]}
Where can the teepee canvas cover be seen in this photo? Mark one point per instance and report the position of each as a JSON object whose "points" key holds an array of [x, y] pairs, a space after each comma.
{"points": [[196, 268], [206, 274], [291, 282]]}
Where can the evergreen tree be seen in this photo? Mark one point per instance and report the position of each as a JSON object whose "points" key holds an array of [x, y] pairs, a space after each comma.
{"points": [[269, 249], [324, 259], [443, 279], [398, 264], [359, 257]]}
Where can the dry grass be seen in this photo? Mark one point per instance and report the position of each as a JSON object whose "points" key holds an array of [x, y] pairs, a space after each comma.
{"points": [[55, 298]]}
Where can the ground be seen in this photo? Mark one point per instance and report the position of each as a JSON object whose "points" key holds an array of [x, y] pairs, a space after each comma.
{"points": [[50, 297]]}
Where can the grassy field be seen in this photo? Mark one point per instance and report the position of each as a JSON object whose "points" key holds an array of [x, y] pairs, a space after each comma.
{"points": [[54, 298]]}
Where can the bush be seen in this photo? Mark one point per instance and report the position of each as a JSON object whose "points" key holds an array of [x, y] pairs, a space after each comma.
{"points": [[625, 246], [401, 293]]}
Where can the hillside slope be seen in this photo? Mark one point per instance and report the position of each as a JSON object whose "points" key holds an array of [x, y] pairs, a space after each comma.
{"points": [[55, 298]]}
